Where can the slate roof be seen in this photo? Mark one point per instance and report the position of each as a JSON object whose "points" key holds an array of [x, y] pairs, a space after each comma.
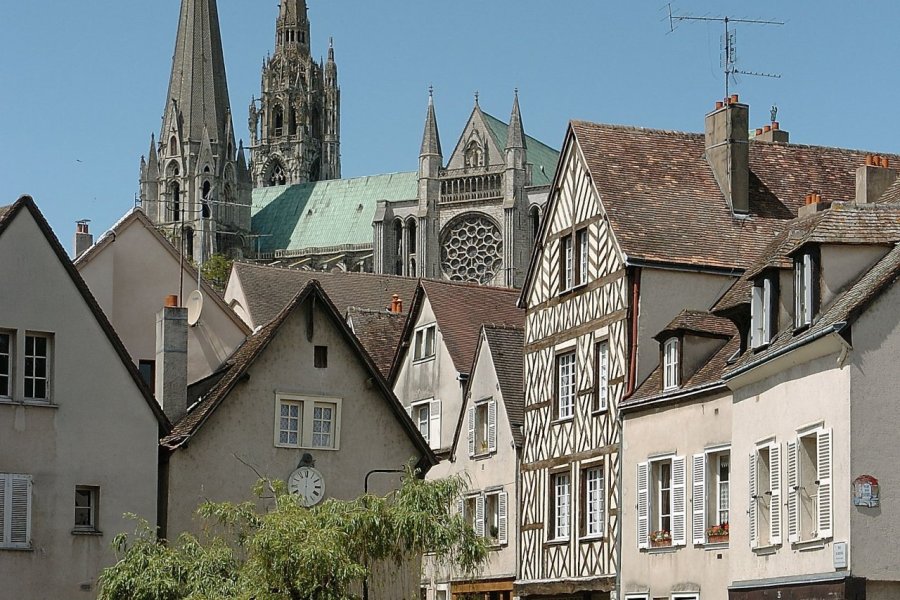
{"points": [[380, 332], [252, 348], [269, 289], [507, 345], [461, 309], [537, 153], [700, 322], [7, 216], [665, 206], [325, 214]]}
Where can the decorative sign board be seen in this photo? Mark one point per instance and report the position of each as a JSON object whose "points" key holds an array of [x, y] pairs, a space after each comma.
{"points": [[839, 555], [865, 491]]}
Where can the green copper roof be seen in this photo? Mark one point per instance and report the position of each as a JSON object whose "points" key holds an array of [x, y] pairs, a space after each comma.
{"points": [[337, 212], [538, 153]]}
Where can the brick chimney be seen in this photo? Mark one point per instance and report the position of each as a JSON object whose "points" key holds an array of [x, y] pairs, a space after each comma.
{"points": [[874, 178], [171, 359], [83, 237], [728, 151]]}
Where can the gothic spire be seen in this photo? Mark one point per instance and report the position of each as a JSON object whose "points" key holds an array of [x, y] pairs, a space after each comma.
{"points": [[431, 140], [293, 11], [515, 137], [197, 84]]}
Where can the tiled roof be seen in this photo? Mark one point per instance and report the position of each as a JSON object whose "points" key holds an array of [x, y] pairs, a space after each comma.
{"points": [[664, 204], [242, 359], [701, 322], [461, 309], [703, 379], [380, 333], [507, 346], [892, 194], [269, 289], [845, 308], [542, 157], [325, 214]]}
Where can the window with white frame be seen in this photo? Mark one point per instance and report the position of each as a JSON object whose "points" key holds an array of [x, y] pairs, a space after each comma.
{"points": [[762, 312], [483, 427], [424, 342], [804, 289], [809, 477], [686, 596], [6, 363], [566, 264], [601, 375], [583, 248], [765, 495], [37, 366], [662, 502], [671, 364], [711, 498], [307, 422], [495, 517], [15, 511], [87, 508], [426, 414], [565, 385], [592, 500], [560, 503]]}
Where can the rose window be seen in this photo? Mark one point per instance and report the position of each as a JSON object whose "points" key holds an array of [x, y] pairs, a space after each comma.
{"points": [[471, 249]]}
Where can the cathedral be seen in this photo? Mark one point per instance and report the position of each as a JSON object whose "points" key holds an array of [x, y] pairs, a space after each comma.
{"points": [[472, 217]]}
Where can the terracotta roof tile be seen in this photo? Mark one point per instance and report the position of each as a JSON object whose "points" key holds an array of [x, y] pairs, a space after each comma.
{"points": [[379, 332], [507, 345], [700, 322]]}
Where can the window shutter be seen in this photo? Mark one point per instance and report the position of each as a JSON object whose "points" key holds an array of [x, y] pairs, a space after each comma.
{"points": [[679, 503], [502, 534], [698, 500], [479, 515], [799, 292], [434, 425], [643, 505], [492, 426], [754, 502], [20, 511], [793, 500], [471, 431], [3, 479], [775, 498], [461, 507], [826, 528]]}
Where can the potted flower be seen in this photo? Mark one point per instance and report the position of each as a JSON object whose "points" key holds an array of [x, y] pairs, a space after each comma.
{"points": [[660, 539], [717, 534]]}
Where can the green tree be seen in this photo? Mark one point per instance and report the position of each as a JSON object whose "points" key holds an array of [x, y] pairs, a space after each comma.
{"points": [[287, 552], [216, 270]]}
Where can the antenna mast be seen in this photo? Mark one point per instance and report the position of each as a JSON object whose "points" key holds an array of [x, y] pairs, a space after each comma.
{"points": [[729, 43]]}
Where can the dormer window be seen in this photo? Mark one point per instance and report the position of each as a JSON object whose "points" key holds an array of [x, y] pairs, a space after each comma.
{"points": [[762, 312], [671, 372], [804, 289]]}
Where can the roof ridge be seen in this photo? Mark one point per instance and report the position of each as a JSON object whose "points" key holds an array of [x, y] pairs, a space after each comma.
{"points": [[468, 284]]}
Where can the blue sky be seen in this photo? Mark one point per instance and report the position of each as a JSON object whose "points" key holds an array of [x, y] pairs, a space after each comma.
{"points": [[83, 84]]}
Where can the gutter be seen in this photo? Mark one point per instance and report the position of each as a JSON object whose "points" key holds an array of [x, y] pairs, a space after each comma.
{"points": [[619, 505], [706, 387], [640, 262], [835, 328]]}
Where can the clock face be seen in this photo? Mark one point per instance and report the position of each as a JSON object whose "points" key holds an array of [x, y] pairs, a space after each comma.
{"points": [[308, 484]]}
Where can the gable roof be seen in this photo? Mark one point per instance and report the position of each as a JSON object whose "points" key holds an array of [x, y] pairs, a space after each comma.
{"points": [[460, 309], [7, 215], [325, 215], [136, 215], [507, 346], [379, 331], [269, 289], [244, 357], [540, 155], [699, 322]]}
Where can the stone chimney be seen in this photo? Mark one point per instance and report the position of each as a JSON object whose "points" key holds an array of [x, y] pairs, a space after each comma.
{"points": [[772, 133], [171, 359], [83, 237], [728, 151], [812, 204], [874, 178]]}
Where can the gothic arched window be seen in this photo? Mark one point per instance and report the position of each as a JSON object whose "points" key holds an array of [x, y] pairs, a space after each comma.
{"points": [[189, 242], [278, 121], [207, 191], [277, 175], [175, 193], [411, 236], [474, 155], [534, 215], [173, 146]]}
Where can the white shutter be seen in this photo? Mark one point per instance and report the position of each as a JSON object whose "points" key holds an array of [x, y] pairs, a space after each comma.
{"points": [[3, 479], [643, 505], [502, 534], [754, 502], [471, 431], [492, 426], [20, 511], [698, 501], [679, 502], [793, 493], [826, 528], [461, 507], [479, 515], [434, 425], [775, 497]]}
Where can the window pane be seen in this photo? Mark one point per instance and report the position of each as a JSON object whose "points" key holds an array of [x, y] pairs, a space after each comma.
{"points": [[566, 384], [289, 423], [4, 343]]}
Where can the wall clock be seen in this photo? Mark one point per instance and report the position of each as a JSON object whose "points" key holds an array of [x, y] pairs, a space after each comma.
{"points": [[308, 484]]}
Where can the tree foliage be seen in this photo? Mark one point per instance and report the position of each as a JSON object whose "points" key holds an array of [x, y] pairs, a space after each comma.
{"points": [[284, 551], [216, 270]]}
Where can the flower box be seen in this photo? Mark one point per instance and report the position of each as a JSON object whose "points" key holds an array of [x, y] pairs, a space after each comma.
{"points": [[660, 543], [717, 539]]}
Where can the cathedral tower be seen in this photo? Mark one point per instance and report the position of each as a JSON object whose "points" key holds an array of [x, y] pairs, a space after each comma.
{"points": [[193, 179], [295, 125]]}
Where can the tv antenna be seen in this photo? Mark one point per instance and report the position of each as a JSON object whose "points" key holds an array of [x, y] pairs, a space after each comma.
{"points": [[729, 43]]}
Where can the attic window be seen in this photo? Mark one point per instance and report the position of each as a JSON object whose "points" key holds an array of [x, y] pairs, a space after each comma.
{"points": [[671, 362], [804, 289], [763, 312], [320, 358]]}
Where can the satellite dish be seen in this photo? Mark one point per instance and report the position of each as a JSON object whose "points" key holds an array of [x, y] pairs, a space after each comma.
{"points": [[194, 307]]}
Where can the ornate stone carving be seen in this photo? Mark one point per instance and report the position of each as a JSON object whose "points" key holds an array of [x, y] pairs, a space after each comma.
{"points": [[471, 249]]}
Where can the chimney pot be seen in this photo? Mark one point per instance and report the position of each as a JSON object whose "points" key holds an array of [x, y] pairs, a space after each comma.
{"points": [[719, 105], [759, 131], [775, 125], [885, 162], [83, 237], [734, 98], [171, 301], [767, 128]]}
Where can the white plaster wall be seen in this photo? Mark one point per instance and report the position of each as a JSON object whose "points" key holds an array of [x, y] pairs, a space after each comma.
{"points": [[684, 429], [842, 264], [99, 430], [803, 395]]}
